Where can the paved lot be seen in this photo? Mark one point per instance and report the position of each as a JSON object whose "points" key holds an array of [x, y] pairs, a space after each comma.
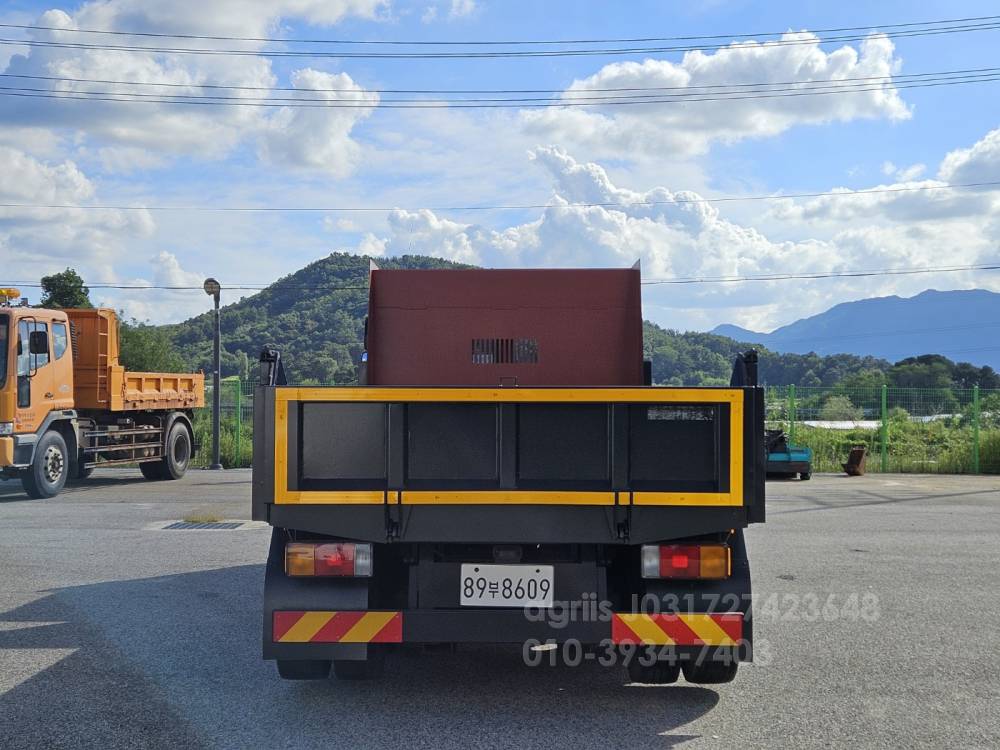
{"points": [[116, 634]]}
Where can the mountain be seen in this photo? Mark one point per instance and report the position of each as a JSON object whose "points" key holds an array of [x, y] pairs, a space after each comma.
{"points": [[315, 317], [961, 325]]}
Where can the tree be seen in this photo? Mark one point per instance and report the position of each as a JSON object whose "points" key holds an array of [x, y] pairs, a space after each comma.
{"points": [[837, 408], [147, 348], [65, 289]]}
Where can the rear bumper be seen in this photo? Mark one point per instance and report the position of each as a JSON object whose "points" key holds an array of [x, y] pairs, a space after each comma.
{"points": [[506, 626]]}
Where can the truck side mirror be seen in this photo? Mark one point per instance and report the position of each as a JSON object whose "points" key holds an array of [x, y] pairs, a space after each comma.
{"points": [[38, 342]]}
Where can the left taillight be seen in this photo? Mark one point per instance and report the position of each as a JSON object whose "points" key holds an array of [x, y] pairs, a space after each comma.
{"points": [[328, 559], [689, 561]]}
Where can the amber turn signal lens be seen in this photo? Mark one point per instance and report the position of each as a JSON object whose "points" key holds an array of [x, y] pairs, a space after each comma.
{"points": [[714, 561], [300, 559]]}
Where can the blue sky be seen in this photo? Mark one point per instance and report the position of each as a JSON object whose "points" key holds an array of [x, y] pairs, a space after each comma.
{"points": [[99, 153]]}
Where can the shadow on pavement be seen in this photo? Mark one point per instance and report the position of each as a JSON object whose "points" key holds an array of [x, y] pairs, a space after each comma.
{"points": [[174, 661], [11, 490]]}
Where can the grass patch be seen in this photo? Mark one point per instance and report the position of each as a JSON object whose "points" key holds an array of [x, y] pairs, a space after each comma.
{"points": [[202, 518]]}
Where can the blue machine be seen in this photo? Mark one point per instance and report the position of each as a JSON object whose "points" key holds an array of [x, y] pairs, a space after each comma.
{"points": [[784, 459]]}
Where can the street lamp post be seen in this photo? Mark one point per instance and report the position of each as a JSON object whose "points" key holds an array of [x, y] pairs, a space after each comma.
{"points": [[213, 289]]}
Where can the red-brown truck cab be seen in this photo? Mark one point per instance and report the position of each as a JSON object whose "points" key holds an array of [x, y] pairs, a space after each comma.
{"points": [[503, 465]]}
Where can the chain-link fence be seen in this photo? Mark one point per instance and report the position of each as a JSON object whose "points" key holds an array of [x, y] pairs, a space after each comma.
{"points": [[946, 430]]}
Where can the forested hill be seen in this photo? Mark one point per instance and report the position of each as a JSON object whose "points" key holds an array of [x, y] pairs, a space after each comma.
{"points": [[315, 316]]}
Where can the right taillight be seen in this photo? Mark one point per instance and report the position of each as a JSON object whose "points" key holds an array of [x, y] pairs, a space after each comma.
{"points": [[710, 560], [328, 559]]}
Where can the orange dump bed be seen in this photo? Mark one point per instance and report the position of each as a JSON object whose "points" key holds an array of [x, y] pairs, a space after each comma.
{"points": [[99, 382]]}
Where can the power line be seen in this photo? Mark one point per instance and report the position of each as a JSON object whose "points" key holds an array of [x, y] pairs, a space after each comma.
{"points": [[507, 54], [225, 287], [193, 85], [822, 275], [244, 286], [170, 84], [565, 98], [509, 207], [874, 334], [510, 42], [463, 104]]}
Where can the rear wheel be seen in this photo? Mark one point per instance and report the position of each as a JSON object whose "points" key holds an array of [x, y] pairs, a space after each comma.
{"points": [[47, 474], [152, 470], [178, 451], [711, 672], [358, 670], [805, 476], [176, 455], [303, 669], [658, 673]]}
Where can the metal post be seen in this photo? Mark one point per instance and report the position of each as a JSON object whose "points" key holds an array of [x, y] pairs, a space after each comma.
{"points": [[975, 429], [884, 438], [239, 422], [791, 414], [213, 288]]}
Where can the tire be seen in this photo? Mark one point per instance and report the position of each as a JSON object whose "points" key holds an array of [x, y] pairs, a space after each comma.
{"points": [[805, 476], [177, 453], [48, 471], [368, 669], [305, 669], [176, 456], [659, 673], [152, 470], [710, 672]]}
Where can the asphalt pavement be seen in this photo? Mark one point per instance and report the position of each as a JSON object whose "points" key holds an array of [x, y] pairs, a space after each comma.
{"points": [[877, 625]]}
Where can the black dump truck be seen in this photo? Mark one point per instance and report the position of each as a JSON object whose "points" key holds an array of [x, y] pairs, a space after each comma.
{"points": [[505, 473]]}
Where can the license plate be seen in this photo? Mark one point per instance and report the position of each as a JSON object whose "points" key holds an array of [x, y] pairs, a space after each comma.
{"points": [[506, 586]]}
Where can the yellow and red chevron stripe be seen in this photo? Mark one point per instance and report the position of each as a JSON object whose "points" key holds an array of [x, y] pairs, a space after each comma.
{"points": [[694, 629], [337, 627]]}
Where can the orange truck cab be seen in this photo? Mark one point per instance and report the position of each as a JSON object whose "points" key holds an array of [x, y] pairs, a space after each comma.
{"points": [[68, 406]]}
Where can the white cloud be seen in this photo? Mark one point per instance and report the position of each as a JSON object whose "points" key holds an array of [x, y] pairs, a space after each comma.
{"points": [[319, 138], [461, 8], [909, 199], [159, 305], [979, 163], [206, 131], [37, 241], [903, 174], [677, 236], [690, 128], [371, 245]]}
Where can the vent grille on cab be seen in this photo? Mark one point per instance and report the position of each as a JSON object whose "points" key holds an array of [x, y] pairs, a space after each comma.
{"points": [[504, 351]]}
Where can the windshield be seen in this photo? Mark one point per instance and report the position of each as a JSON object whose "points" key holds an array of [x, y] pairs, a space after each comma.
{"points": [[4, 354]]}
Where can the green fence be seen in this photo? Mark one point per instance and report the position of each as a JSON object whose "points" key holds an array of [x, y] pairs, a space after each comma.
{"points": [[946, 430]]}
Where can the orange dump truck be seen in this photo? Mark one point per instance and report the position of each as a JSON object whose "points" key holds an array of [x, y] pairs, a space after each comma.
{"points": [[67, 405]]}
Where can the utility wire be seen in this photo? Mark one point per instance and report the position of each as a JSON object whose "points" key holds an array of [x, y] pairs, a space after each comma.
{"points": [[562, 91], [507, 54], [361, 97], [509, 207], [511, 42], [463, 104], [874, 334], [822, 275], [680, 280]]}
